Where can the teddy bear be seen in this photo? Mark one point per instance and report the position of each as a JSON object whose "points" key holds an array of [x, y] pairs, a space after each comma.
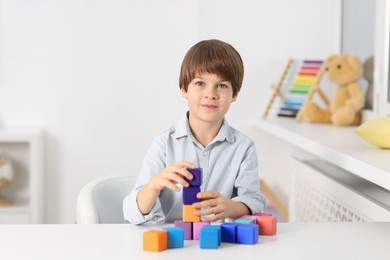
{"points": [[344, 109]]}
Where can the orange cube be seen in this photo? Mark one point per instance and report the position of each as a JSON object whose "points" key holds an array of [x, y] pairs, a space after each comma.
{"points": [[267, 225], [155, 240], [188, 214]]}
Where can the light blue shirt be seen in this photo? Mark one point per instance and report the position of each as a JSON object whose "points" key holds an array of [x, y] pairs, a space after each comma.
{"points": [[229, 166]]}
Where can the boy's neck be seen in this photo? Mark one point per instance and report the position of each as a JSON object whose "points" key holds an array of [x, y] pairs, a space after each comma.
{"points": [[204, 132]]}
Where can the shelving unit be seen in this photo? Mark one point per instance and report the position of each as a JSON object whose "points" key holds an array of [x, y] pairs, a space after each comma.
{"points": [[337, 145], [24, 146], [336, 175]]}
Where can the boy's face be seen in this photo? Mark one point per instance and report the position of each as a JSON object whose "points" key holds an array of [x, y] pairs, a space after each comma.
{"points": [[209, 98]]}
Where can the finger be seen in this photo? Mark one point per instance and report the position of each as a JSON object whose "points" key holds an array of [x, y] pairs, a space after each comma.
{"points": [[207, 211], [168, 184], [185, 164], [213, 218], [208, 195], [175, 178], [205, 204]]}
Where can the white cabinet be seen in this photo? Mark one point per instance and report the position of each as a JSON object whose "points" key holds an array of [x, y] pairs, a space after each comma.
{"points": [[25, 148]]}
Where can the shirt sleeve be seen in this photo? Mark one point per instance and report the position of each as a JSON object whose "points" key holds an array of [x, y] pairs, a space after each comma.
{"points": [[248, 182], [153, 163]]}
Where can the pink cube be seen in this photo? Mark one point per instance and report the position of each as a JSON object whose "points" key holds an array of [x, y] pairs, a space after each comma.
{"points": [[196, 227], [267, 225]]}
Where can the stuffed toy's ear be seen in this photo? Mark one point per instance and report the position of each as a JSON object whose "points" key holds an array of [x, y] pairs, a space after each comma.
{"points": [[356, 64], [330, 59]]}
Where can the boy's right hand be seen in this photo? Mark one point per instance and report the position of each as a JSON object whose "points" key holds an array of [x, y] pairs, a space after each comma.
{"points": [[172, 175]]}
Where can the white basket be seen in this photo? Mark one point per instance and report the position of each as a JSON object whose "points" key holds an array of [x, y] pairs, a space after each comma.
{"points": [[322, 192]]}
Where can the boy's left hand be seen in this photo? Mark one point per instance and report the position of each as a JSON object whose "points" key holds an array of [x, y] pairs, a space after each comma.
{"points": [[218, 207]]}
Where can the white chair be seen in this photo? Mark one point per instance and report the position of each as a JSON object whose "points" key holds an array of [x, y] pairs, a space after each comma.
{"points": [[100, 201]]}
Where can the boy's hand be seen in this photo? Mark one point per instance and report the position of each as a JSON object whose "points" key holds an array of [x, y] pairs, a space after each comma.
{"points": [[218, 207], [172, 175]]}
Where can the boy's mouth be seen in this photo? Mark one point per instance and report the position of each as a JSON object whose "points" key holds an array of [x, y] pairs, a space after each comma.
{"points": [[209, 106]]}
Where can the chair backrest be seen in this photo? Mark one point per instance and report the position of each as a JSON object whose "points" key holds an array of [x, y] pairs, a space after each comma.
{"points": [[100, 201]]}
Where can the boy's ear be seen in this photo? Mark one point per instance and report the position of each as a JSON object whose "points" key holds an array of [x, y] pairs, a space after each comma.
{"points": [[234, 98], [183, 92]]}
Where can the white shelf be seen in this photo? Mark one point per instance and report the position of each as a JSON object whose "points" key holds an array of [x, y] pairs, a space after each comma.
{"points": [[337, 145], [25, 148]]}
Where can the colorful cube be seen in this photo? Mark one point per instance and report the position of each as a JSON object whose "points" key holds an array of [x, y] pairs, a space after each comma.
{"points": [[175, 237], [187, 227], [189, 195], [262, 214], [247, 234], [267, 225], [197, 227], [245, 221], [188, 214], [216, 227], [197, 177], [229, 232], [155, 240], [208, 238]]}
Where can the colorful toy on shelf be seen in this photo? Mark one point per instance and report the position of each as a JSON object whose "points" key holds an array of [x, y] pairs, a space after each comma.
{"points": [[294, 85]]}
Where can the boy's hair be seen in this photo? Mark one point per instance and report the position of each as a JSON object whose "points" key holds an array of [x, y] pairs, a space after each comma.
{"points": [[214, 57]]}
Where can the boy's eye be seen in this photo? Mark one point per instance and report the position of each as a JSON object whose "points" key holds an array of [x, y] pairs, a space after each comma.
{"points": [[222, 86], [199, 83]]}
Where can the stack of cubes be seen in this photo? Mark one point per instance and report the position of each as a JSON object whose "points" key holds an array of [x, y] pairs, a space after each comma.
{"points": [[208, 236]]}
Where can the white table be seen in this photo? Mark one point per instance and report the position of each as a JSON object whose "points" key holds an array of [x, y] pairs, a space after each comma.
{"points": [[314, 241]]}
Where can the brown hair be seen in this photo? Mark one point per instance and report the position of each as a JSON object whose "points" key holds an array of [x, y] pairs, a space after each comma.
{"points": [[215, 57]]}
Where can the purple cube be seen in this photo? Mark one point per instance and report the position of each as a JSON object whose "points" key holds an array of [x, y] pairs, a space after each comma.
{"points": [[189, 195], [197, 177], [187, 227]]}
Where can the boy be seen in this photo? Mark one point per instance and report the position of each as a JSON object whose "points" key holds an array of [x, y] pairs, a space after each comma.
{"points": [[210, 79]]}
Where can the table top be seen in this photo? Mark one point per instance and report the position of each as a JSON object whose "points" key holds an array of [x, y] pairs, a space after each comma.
{"points": [[124, 241]]}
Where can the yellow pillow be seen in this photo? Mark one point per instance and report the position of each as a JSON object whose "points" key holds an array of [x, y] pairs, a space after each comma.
{"points": [[376, 131]]}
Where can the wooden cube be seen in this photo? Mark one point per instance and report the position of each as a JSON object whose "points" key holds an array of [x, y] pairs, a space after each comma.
{"points": [[155, 240]]}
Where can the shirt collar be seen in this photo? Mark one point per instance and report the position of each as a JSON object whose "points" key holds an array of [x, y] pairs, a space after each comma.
{"points": [[182, 129]]}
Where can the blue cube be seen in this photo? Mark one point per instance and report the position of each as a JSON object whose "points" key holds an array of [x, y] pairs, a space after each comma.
{"points": [[247, 234], [189, 195], [229, 232], [197, 177], [245, 221], [175, 237], [215, 227], [208, 238]]}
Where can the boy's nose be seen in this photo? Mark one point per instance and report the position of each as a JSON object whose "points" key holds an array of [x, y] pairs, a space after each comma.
{"points": [[210, 93]]}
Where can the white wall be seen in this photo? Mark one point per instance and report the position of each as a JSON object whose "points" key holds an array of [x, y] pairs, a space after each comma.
{"points": [[101, 77]]}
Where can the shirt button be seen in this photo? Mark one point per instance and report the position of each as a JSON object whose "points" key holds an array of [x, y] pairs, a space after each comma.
{"points": [[205, 153]]}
